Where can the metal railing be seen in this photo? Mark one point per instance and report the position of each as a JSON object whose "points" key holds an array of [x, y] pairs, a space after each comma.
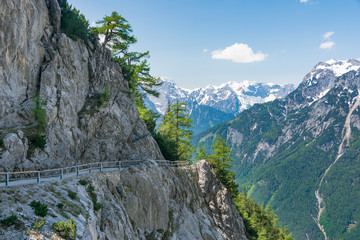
{"points": [[29, 177]]}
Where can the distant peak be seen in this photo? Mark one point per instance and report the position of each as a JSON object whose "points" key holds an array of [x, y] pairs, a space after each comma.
{"points": [[332, 61], [338, 67], [166, 79]]}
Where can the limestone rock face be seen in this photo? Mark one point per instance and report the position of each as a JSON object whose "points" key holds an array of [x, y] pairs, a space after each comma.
{"points": [[14, 152], [220, 202], [71, 76], [138, 202]]}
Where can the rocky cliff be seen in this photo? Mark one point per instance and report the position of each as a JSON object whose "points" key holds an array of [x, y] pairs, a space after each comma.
{"points": [[139, 202], [70, 76]]}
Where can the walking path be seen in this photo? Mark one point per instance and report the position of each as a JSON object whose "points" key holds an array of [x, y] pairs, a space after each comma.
{"points": [[10, 179]]}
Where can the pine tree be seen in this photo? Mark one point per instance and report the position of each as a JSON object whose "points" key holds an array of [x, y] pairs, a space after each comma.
{"points": [[114, 28], [176, 126], [221, 156], [148, 116], [221, 161], [200, 153], [73, 23], [136, 70]]}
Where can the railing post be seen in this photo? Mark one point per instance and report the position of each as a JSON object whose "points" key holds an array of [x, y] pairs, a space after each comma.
{"points": [[7, 180], [101, 166], [61, 174], [77, 170], [119, 165], [38, 177], [89, 167]]}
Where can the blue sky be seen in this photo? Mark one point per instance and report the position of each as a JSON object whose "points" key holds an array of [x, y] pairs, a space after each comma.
{"points": [[202, 42]]}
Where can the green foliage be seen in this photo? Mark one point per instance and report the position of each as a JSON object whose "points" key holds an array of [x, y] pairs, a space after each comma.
{"points": [[114, 28], [94, 102], [40, 113], [9, 220], [66, 230], [72, 194], [103, 98], [341, 217], [91, 190], [73, 23], [260, 223], [39, 208], [148, 116], [200, 153], [83, 182], [38, 223], [37, 138], [37, 141], [221, 160], [60, 205], [1, 142], [166, 146], [117, 31], [176, 127], [136, 71]]}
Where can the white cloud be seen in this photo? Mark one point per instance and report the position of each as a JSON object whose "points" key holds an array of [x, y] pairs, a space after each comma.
{"points": [[328, 35], [327, 45], [92, 24], [238, 52], [205, 50], [304, 1]]}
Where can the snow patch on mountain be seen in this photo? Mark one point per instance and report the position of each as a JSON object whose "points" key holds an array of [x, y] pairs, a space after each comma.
{"points": [[230, 97], [332, 66]]}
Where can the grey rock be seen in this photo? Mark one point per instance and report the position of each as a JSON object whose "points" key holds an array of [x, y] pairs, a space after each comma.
{"points": [[159, 202], [15, 150], [14, 145], [54, 14], [220, 202]]}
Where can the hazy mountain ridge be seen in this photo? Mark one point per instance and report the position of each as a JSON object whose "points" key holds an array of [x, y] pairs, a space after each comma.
{"points": [[283, 148], [225, 100]]}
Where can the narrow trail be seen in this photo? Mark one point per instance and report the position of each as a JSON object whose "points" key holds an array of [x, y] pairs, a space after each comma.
{"points": [[345, 136]]}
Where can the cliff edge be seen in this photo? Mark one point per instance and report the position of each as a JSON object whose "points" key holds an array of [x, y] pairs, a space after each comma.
{"points": [[139, 202]]}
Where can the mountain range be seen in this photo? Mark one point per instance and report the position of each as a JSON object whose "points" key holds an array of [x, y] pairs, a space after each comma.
{"points": [[301, 154], [212, 105]]}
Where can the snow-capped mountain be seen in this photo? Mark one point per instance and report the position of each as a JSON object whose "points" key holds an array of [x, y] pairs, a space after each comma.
{"points": [[224, 101], [320, 80], [230, 97]]}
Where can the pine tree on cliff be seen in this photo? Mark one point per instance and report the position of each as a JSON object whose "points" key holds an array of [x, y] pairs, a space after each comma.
{"points": [[200, 153], [221, 160], [176, 126], [114, 27], [136, 70]]}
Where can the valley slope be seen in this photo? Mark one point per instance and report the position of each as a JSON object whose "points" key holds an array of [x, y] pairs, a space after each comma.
{"points": [[288, 150]]}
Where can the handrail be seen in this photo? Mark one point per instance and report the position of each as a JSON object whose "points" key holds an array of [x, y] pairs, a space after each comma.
{"points": [[88, 167]]}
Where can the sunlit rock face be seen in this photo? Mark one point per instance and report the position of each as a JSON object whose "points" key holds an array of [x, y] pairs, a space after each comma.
{"points": [[70, 76]]}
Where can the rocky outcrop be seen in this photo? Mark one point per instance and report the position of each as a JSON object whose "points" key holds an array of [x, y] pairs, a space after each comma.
{"points": [[70, 76], [139, 202]]}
